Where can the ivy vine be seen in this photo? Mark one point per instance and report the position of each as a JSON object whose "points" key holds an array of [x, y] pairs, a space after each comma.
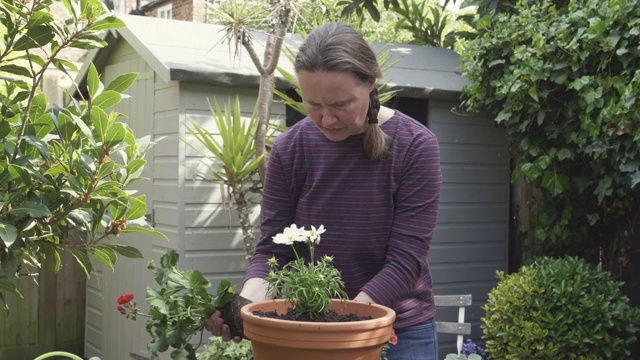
{"points": [[564, 82]]}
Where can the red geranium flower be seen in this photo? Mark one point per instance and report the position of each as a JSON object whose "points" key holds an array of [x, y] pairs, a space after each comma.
{"points": [[393, 340], [123, 299], [121, 309]]}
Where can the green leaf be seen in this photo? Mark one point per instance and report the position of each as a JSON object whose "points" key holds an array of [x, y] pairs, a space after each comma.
{"points": [[137, 208], [83, 260], [31, 208], [122, 82], [16, 70], [154, 299], [9, 263], [35, 37], [555, 183], [10, 287], [107, 99], [83, 127], [135, 167], [115, 134], [19, 173], [105, 255], [126, 251], [138, 229], [117, 209], [107, 23], [93, 81], [100, 121], [88, 43], [8, 233]]}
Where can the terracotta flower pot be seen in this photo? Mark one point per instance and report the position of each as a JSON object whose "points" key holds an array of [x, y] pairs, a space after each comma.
{"points": [[283, 339]]}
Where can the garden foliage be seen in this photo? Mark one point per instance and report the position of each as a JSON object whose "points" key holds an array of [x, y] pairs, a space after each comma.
{"points": [[65, 171], [559, 309], [564, 82], [180, 307]]}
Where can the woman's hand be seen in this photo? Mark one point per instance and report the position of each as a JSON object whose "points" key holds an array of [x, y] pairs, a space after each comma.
{"points": [[253, 289]]}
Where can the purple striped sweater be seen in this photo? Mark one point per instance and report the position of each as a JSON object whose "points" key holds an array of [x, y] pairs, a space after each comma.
{"points": [[380, 216]]}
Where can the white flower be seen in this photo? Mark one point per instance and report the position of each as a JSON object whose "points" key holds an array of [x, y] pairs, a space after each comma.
{"points": [[314, 234], [290, 234]]}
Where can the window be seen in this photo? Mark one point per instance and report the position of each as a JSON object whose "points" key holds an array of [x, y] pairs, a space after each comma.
{"points": [[165, 12]]}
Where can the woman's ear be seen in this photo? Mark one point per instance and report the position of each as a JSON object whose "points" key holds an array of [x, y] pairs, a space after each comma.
{"points": [[372, 84]]}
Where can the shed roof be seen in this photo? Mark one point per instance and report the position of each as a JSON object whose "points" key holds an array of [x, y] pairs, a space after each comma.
{"points": [[197, 52]]}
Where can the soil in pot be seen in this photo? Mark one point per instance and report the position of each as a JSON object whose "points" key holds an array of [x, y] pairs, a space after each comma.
{"points": [[293, 315]]}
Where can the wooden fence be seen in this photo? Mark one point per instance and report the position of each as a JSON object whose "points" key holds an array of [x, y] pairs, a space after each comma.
{"points": [[50, 317]]}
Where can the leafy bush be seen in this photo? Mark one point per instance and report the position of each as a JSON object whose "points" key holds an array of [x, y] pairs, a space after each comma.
{"points": [[216, 349], [564, 80], [66, 172], [559, 309]]}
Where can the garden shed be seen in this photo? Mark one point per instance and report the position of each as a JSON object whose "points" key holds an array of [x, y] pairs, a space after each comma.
{"points": [[182, 65]]}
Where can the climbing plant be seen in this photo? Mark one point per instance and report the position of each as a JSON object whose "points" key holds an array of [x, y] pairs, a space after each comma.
{"points": [[564, 82]]}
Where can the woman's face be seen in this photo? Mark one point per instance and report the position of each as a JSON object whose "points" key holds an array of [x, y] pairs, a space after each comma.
{"points": [[337, 102]]}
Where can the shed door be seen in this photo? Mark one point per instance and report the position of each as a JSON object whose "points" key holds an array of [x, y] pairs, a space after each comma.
{"points": [[471, 239]]}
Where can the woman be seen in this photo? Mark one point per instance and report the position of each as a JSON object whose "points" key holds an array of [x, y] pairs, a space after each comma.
{"points": [[369, 174]]}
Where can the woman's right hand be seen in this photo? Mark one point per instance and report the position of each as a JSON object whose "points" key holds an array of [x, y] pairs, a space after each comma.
{"points": [[254, 289], [217, 327]]}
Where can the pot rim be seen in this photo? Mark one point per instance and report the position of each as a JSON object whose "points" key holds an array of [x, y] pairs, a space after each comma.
{"points": [[383, 316]]}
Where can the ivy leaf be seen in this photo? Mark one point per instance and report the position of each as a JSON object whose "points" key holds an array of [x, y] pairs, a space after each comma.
{"points": [[555, 183]]}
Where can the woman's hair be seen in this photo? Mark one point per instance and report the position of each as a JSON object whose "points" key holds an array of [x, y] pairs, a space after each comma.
{"points": [[338, 47]]}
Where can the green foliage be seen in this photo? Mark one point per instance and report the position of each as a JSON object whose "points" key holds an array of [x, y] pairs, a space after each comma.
{"points": [[563, 81], [181, 306], [217, 349], [463, 357], [309, 14], [559, 309], [65, 172]]}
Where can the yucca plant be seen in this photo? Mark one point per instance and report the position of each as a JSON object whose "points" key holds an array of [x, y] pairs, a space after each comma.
{"points": [[230, 159]]}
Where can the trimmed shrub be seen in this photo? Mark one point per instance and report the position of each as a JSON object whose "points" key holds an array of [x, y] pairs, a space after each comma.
{"points": [[559, 309]]}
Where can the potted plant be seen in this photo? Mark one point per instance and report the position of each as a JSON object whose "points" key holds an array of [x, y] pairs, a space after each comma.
{"points": [[331, 326], [312, 318]]}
